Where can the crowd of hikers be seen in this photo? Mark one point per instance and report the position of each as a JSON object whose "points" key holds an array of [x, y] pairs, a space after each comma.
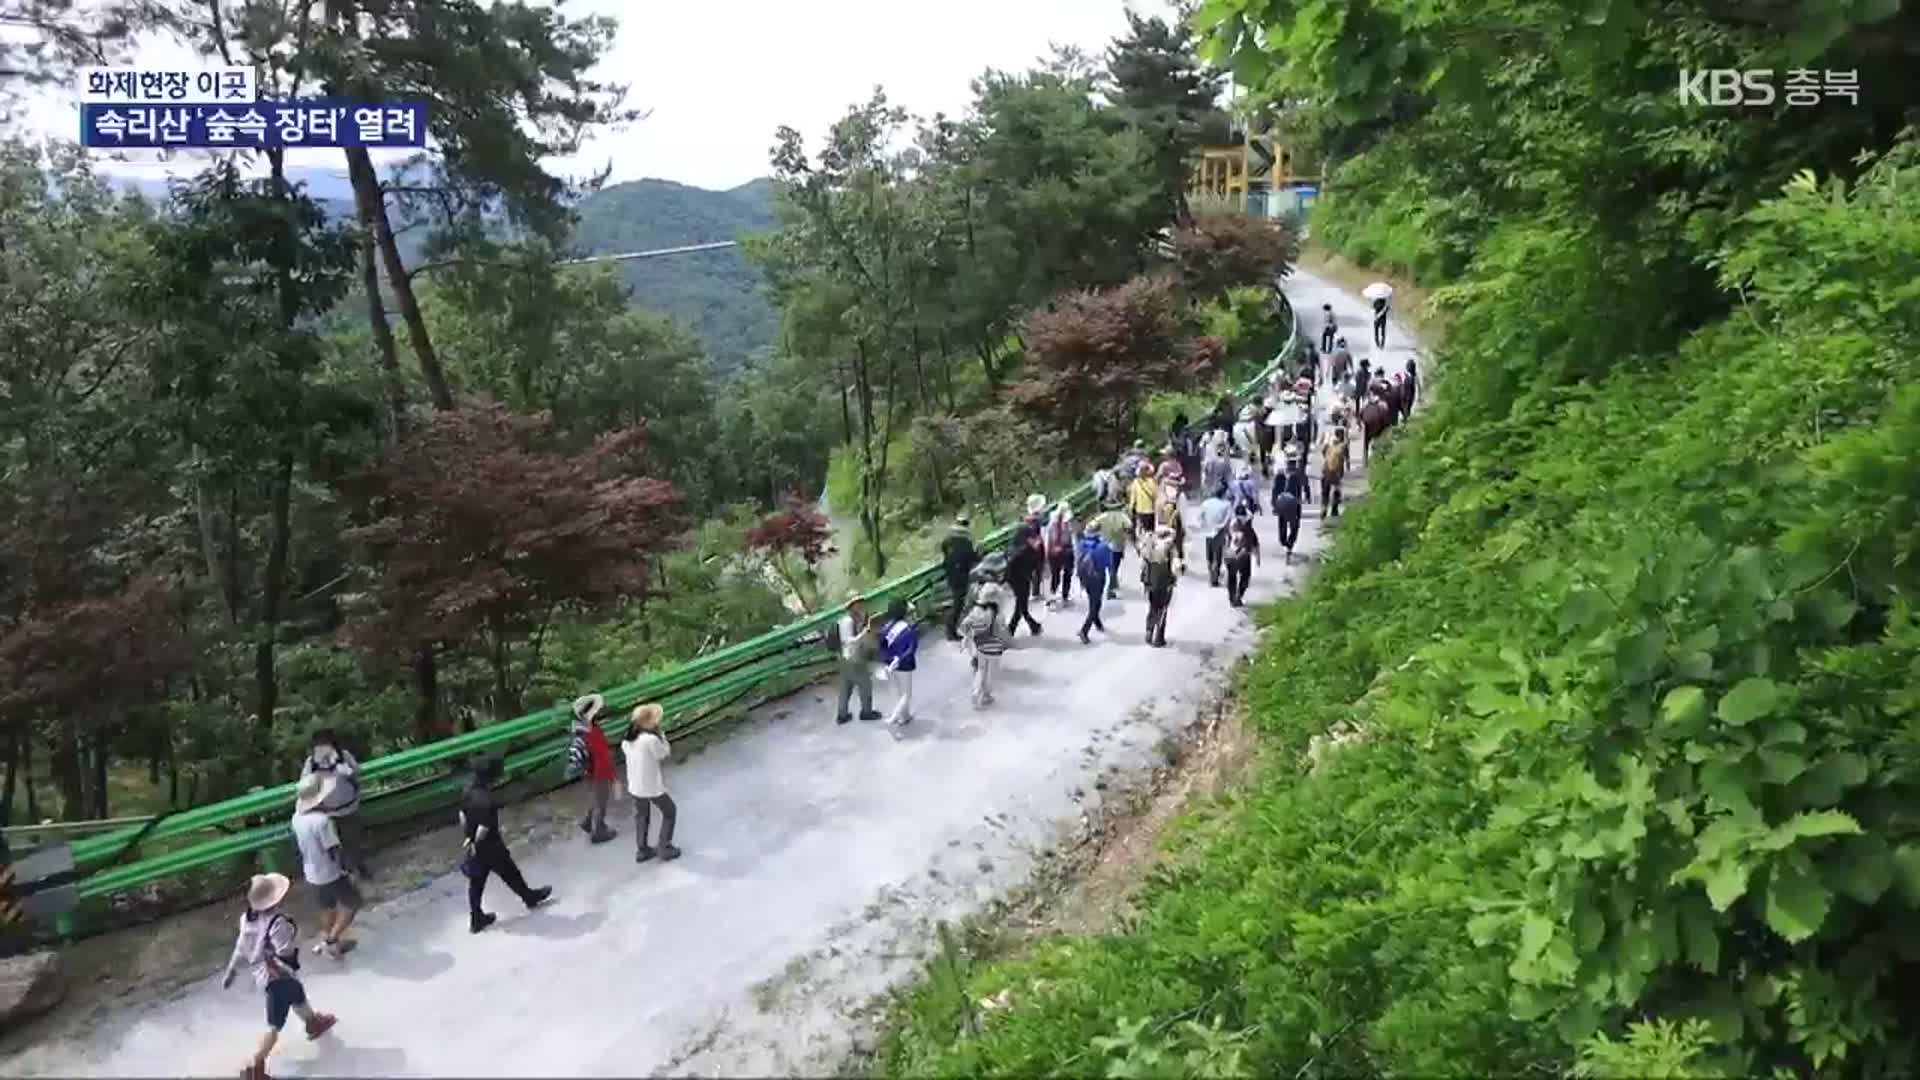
{"points": [[1226, 462]]}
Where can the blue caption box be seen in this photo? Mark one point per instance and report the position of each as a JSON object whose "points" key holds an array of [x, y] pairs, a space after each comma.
{"points": [[318, 122]]}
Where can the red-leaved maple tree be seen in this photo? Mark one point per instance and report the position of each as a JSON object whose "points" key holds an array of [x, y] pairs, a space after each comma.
{"points": [[1093, 356], [1218, 252], [485, 535], [798, 530]]}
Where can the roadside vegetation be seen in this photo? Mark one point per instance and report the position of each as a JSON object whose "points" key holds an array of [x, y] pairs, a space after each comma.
{"points": [[1622, 640]]}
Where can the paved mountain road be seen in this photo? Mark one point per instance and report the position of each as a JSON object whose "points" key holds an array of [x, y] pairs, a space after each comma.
{"points": [[818, 858]]}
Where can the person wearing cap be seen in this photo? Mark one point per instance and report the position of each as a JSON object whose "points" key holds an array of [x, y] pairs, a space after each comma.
{"points": [[1060, 536], [486, 849], [1216, 467], [1246, 492], [1286, 509], [857, 645], [327, 757], [646, 750], [594, 758], [1243, 550], [1340, 364], [981, 629], [1333, 470], [1142, 496], [1026, 562], [1158, 577], [269, 945], [321, 861], [1215, 515], [1093, 563], [1263, 434], [1036, 521], [1329, 328], [957, 560]]}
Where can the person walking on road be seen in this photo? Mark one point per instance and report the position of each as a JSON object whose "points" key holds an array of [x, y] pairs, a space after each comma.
{"points": [[1094, 564], [1286, 511], [1215, 514], [957, 559], [328, 758], [855, 634], [646, 750], [980, 630], [1246, 490], [1143, 495], [1156, 574], [1060, 553], [1362, 382], [1380, 310], [1025, 564], [1333, 470], [590, 755], [900, 648], [1036, 522], [1329, 328], [486, 853], [1116, 528], [268, 944], [1413, 383], [1339, 365], [1243, 551], [321, 863]]}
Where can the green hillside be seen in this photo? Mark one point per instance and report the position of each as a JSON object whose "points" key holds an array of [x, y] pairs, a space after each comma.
{"points": [[718, 293]]}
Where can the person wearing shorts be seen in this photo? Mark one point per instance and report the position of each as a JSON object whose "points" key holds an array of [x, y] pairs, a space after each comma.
{"points": [[322, 862], [269, 945]]}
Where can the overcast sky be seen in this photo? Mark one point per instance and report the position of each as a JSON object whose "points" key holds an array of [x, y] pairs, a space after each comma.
{"points": [[719, 79]]}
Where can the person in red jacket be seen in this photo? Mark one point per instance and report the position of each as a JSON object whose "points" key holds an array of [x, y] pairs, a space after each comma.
{"points": [[591, 756]]}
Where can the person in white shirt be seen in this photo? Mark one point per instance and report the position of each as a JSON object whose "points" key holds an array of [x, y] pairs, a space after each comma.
{"points": [[321, 862], [858, 643], [269, 945], [646, 748]]}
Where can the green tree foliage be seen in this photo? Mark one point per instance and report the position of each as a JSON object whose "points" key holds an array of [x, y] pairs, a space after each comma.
{"points": [[1159, 86], [1218, 253]]}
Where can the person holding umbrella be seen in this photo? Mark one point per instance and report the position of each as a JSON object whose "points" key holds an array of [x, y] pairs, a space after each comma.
{"points": [[1381, 294]]}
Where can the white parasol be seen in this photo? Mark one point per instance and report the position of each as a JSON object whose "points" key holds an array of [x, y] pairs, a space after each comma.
{"points": [[1379, 290]]}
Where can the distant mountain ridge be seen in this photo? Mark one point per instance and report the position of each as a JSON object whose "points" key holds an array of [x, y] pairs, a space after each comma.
{"points": [[719, 294]]}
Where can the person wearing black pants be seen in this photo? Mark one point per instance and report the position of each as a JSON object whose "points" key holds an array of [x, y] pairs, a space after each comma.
{"points": [[1243, 549], [487, 850], [1380, 323], [1286, 513], [1023, 571], [1328, 328], [1094, 564], [958, 558]]}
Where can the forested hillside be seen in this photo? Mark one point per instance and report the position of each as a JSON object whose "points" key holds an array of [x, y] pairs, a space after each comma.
{"points": [[1622, 646], [720, 294], [264, 471]]}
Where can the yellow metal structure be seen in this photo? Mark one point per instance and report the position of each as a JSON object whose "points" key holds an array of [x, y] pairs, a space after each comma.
{"points": [[1258, 164]]}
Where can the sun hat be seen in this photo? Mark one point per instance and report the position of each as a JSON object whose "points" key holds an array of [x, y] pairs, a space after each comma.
{"points": [[962, 521], [267, 890], [314, 789], [1036, 503], [652, 709], [585, 709]]}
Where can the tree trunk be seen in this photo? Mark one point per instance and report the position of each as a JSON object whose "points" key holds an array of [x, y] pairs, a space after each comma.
{"points": [[426, 678], [101, 755], [366, 192], [389, 352], [6, 794], [210, 550], [68, 773], [26, 771], [273, 583]]}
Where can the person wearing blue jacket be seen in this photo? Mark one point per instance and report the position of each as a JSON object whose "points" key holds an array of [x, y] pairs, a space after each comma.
{"points": [[900, 648], [1095, 566]]}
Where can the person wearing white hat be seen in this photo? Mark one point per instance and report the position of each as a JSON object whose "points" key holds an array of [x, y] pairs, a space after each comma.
{"points": [[1158, 576], [858, 640], [322, 863], [590, 755], [269, 945], [647, 749], [1060, 556]]}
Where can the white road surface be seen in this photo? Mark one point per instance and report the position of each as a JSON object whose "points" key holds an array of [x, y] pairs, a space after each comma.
{"points": [[817, 859]]}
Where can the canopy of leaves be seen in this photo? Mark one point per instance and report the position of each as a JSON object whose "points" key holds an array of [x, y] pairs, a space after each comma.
{"points": [[1221, 252], [798, 528]]}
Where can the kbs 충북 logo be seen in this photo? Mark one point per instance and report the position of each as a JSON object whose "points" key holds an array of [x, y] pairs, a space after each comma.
{"points": [[1733, 87]]}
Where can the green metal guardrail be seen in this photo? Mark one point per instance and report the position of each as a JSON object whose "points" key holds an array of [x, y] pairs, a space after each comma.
{"points": [[401, 785]]}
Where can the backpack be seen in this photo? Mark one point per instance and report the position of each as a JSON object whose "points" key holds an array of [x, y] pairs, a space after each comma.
{"points": [[1336, 463], [577, 755], [1085, 567], [1159, 574], [1237, 546]]}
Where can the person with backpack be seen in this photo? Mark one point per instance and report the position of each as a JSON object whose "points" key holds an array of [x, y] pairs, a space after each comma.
{"points": [[1413, 383], [1143, 495], [1333, 470], [1217, 469], [1168, 516], [1340, 363], [646, 750], [1060, 555], [1243, 551], [1362, 382], [900, 648], [590, 755], [1286, 510], [485, 849], [853, 638], [981, 630], [327, 757], [1036, 520], [1263, 434], [1215, 514], [1329, 328], [1116, 528], [1246, 491], [1380, 309], [268, 944], [957, 559], [1093, 563], [321, 862], [1158, 578], [1024, 564], [1295, 476]]}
